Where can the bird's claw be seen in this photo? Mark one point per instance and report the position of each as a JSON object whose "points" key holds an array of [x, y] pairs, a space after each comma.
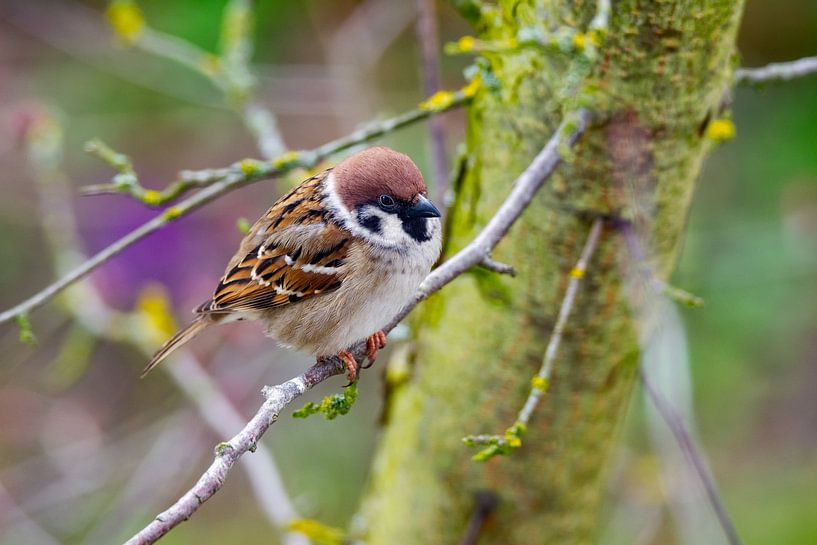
{"points": [[351, 366], [375, 342]]}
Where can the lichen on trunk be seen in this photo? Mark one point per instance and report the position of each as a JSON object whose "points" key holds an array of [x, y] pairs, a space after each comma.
{"points": [[662, 72]]}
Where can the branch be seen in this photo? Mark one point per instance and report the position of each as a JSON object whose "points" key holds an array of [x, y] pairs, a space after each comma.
{"points": [[648, 311], [485, 503], [221, 181], [429, 43], [31, 528], [230, 72], [779, 71], [678, 428], [648, 276], [497, 267], [511, 439], [278, 397]]}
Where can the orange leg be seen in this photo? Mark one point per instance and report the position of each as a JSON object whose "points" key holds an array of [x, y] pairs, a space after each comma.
{"points": [[375, 342], [351, 366]]}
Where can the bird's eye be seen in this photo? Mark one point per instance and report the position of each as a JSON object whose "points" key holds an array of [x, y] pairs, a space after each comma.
{"points": [[386, 202]]}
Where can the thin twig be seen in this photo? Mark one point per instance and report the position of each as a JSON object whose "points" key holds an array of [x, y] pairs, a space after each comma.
{"points": [[35, 532], [678, 428], [648, 275], [497, 267], [576, 276], [485, 503], [224, 181], [429, 43], [503, 444], [230, 72], [354, 46], [779, 71], [277, 397], [646, 306]]}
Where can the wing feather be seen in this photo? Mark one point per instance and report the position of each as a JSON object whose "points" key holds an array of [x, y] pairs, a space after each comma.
{"points": [[291, 254]]}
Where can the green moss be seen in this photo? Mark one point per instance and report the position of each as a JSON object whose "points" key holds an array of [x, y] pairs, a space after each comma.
{"points": [[332, 406]]}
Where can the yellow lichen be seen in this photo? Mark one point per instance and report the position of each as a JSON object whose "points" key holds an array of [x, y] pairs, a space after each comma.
{"points": [[248, 166], [471, 89], [438, 102], [577, 273], [286, 160], [154, 307], [721, 130], [466, 44], [317, 532], [579, 41], [152, 198], [172, 213], [539, 383], [126, 20], [514, 442]]}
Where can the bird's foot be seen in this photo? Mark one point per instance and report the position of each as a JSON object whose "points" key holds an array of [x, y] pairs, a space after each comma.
{"points": [[375, 342], [351, 366]]}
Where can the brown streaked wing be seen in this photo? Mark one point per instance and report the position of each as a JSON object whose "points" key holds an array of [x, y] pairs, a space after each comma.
{"points": [[301, 206], [297, 263]]}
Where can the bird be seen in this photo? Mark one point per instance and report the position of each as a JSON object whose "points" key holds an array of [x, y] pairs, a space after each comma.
{"points": [[331, 262]]}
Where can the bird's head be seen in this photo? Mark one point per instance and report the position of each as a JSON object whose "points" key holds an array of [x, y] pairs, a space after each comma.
{"points": [[383, 198]]}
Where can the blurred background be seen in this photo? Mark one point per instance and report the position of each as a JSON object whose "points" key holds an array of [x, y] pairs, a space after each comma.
{"points": [[89, 453]]}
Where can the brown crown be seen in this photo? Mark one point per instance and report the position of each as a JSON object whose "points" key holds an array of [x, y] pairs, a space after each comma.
{"points": [[365, 176]]}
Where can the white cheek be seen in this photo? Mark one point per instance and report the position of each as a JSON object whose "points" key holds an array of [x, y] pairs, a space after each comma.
{"points": [[391, 228]]}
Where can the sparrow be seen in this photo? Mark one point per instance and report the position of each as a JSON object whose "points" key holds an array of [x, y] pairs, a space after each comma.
{"points": [[331, 262]]}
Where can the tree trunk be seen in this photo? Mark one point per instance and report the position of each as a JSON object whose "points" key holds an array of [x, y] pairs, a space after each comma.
{"points": [[663, 71]]}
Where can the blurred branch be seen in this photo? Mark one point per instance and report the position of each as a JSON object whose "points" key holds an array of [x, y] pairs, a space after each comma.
{"points": [[511, 439], [277, 397], [429, 43], [161, 461], [649, 319], [138, 329], [781, 71], [230, 72], [648, 276], [35, 532], [217, 182], [485, 503], [353, 48], [678, 428]]}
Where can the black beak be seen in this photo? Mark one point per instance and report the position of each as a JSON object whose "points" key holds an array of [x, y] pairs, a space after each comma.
{"points": [[423, 208]]}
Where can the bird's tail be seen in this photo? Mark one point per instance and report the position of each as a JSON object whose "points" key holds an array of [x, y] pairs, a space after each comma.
{"points": [[177, 340]]}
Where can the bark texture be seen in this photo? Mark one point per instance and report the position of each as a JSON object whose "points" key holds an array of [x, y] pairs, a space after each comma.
{"points": [[663, 71]]}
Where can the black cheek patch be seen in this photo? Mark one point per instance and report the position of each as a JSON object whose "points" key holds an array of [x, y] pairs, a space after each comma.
{"points": [[372, 223], [417, 228]]}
